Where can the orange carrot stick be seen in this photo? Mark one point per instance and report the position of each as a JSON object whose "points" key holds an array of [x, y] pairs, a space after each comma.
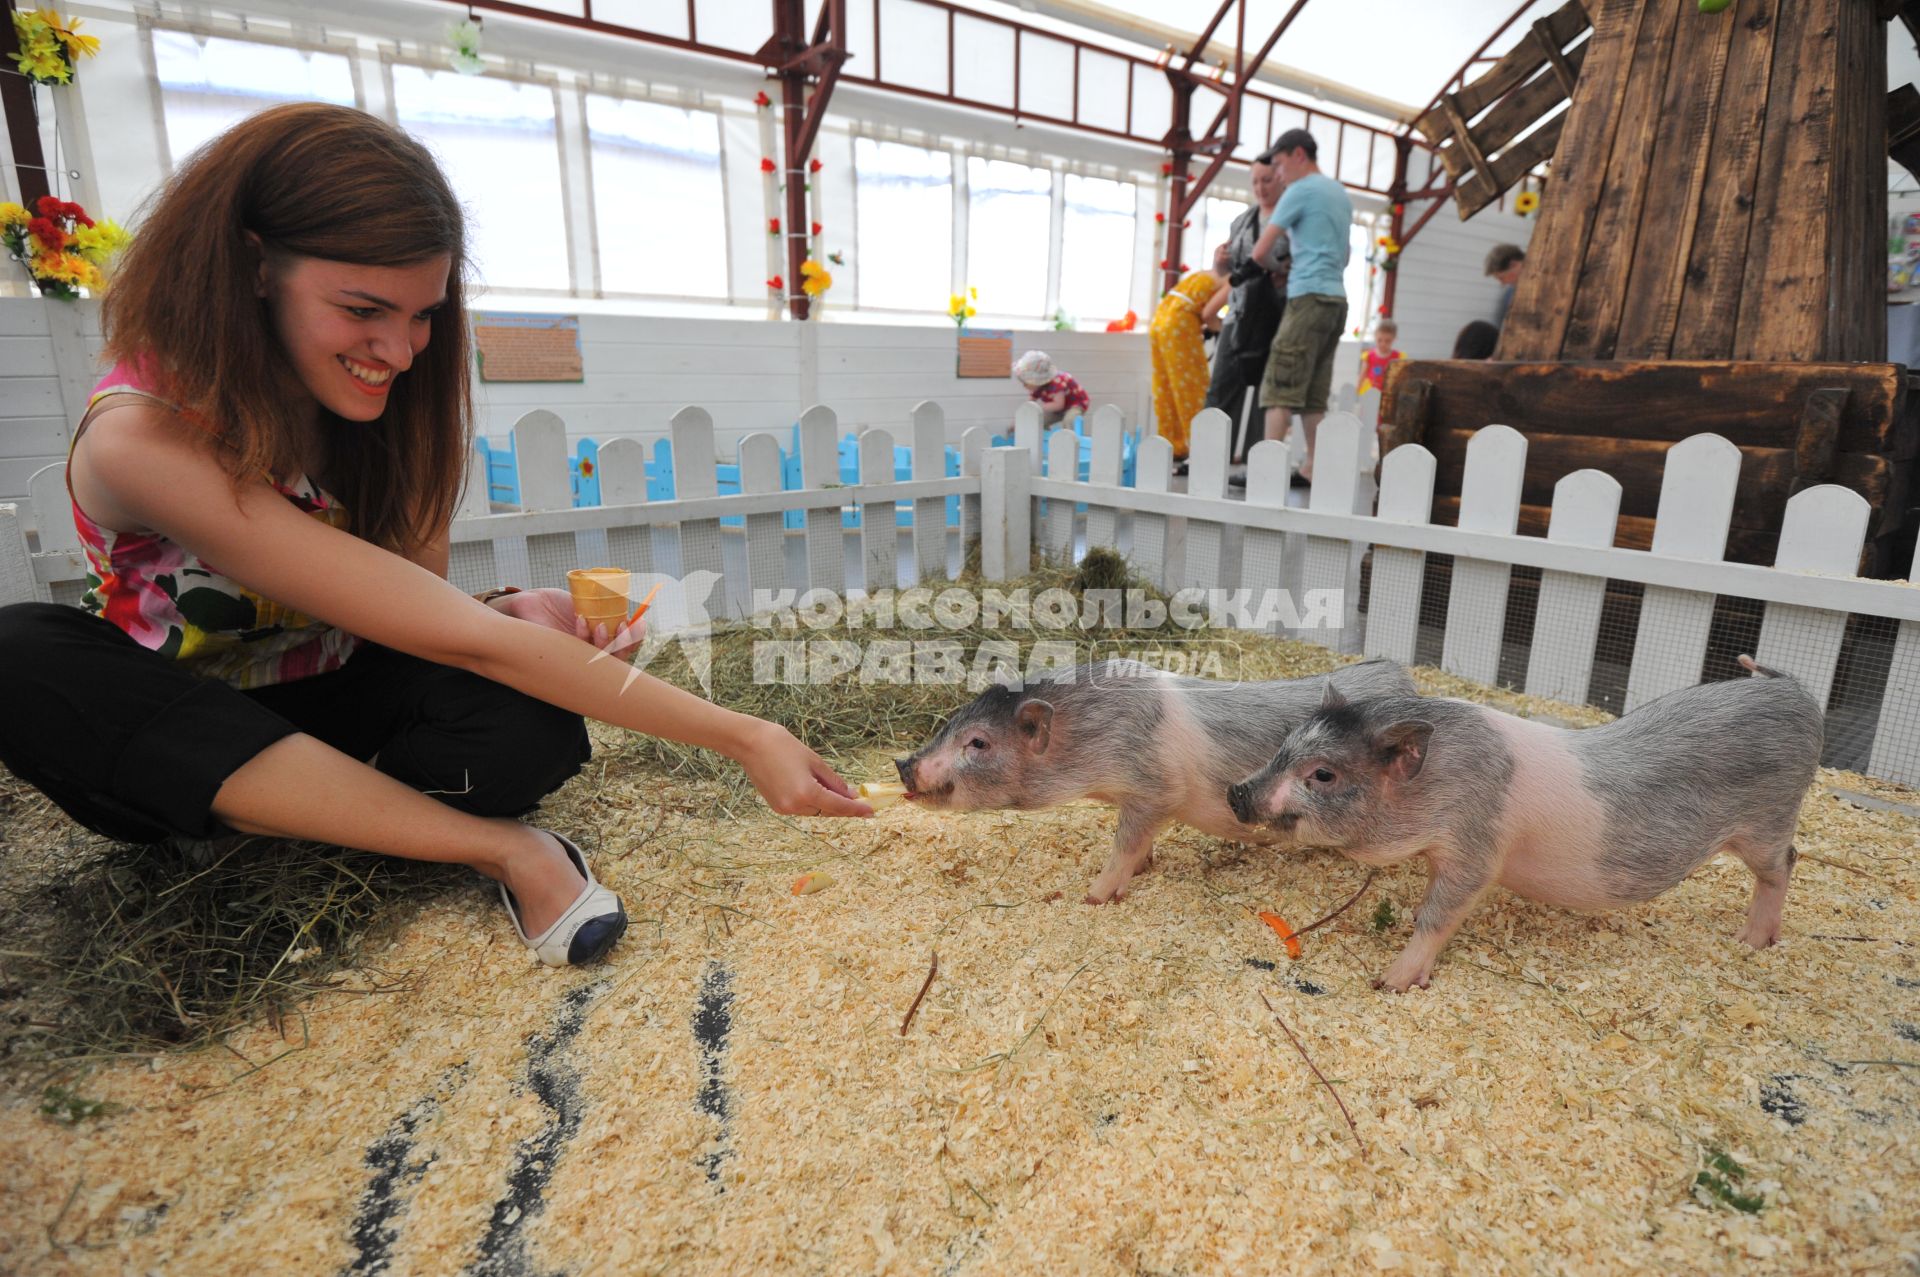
{"points": [[1285, 932], [645, 603]]}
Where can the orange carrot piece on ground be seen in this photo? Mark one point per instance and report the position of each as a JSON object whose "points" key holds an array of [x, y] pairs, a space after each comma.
{"points": [[1285, 932]]}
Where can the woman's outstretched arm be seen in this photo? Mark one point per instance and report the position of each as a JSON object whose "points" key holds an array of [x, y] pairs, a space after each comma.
{"points": [[164, 475]]}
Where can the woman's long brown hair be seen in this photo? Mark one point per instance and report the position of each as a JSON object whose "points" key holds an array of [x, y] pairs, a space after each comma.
{"points": [[312, 180]]}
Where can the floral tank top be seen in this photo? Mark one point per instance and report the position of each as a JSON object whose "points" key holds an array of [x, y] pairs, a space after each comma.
{"points": [[170, 600]]}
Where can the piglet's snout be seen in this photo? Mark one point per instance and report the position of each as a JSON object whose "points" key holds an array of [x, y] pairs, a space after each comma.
{"points": [[905, 766]]}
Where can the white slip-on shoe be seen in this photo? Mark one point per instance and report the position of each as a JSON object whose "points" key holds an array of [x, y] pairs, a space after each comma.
{"points": [[587, 929]]}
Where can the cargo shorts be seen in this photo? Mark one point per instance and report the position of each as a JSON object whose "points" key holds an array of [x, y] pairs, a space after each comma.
{"points": [[1300, 364]]}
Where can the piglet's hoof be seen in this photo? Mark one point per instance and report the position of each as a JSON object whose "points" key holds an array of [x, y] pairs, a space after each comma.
{"points": [[1397, 986]]}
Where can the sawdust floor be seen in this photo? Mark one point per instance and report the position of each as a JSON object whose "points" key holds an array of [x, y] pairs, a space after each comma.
{"points": [[1083, 1090]]}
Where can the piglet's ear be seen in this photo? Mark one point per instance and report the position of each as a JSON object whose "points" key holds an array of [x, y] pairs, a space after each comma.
{"points": [[1035, 721], [1402, 748], [1332, 699]]}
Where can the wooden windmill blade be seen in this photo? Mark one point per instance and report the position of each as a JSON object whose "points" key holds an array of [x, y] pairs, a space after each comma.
{"points": [[1487, 155]]}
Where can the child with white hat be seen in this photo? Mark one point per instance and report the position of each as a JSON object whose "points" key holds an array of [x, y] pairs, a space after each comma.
{"points": [[1057, 393]]}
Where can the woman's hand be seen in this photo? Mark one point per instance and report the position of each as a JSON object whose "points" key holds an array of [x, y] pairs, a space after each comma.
{"points": [[554, 610], [793, 779]]}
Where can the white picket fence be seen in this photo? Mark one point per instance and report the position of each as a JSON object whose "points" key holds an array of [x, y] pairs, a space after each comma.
{"points": [[1204, 538]]}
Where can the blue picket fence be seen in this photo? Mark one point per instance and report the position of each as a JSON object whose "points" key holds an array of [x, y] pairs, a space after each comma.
{"points": [[583, 468]]}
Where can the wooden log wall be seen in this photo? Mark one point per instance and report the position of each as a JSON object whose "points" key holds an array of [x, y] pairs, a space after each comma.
{"points": [[1718, 191], [1796, 425]]}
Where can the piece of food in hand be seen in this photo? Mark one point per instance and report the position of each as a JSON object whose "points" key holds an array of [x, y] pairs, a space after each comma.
{"points": [[808, 883], [645, 603], [599, 596], [881, 794], [1281, 929]]}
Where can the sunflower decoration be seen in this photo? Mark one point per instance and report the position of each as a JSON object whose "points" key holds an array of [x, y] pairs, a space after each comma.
{"points": [[1525, 202], [50, 45], [814, 278]]}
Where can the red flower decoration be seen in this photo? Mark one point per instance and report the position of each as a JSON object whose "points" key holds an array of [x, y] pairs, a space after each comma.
{"points": [[586, 468], [777, 284], [773, 226], [1184, 268], [1399, 209], [45, 230], [766, 165], [1159, 217], [761, 99], [1163, 263], [1166, 170], [48, 206], [1383, 310], [817, 228], [1185, 224], [813, 166]]}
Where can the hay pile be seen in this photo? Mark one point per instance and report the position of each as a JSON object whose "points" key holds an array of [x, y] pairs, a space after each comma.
{"points": [[1105, 1091]]}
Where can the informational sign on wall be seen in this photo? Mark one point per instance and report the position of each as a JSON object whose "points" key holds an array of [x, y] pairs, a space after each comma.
{"points": [[986, 352], [526, 347]]}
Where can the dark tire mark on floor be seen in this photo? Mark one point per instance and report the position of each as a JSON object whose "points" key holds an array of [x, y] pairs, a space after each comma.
{"points": [[555, 1082], [1295, 979], [961, 1248], [712, 1021], [375, 1225], [1777, 1098]]}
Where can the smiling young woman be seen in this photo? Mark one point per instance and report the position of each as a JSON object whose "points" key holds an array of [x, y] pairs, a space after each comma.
{"points": [[290, 401]]}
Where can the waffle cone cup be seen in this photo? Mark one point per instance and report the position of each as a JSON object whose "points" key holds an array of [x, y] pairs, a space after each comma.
{"points": [[599, 596]]}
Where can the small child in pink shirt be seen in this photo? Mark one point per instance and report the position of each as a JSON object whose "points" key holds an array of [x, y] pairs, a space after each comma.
{"points": [[1375, 362]]}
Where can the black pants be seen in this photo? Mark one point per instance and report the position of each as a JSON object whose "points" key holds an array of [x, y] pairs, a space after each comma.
{"points": [[135, 747]]}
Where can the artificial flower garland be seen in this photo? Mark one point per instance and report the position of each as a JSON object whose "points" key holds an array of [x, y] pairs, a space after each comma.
{"points": [[50, 45], [62, 248]]}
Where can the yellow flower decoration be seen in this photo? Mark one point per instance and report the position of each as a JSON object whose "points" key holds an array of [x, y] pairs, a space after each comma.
{"points": [[79, 46], [1526, 202], [969, 312], [14, 215], [64, 267], [814, 278], [100, 241], [44, 65], [50, 45]]}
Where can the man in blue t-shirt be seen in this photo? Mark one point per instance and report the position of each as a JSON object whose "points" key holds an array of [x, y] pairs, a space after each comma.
{"points": [[1318, 219]]}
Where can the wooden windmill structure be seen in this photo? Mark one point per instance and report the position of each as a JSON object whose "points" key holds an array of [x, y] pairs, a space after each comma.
{"points": [[1710, 255]]}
